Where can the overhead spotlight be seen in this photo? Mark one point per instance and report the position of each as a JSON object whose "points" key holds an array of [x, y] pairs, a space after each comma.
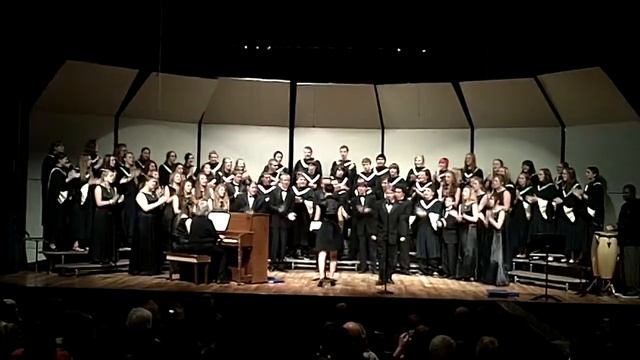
{"points": [[246, 47], [398, 49], [424, 51], [269, 47], [257, 47]]}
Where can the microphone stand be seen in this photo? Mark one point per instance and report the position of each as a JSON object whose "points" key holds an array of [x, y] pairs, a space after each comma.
{"points": [[384, 291]]}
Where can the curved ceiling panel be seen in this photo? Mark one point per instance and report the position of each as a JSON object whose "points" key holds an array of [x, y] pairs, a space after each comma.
{"points": [[507, 104], [249, 102], [421, 106], [172, 98], [85, 88], [337, 106], [587, 96]]}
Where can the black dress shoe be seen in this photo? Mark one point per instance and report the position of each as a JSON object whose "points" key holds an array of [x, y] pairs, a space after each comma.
{"points": [[320, 283], [379, 282], [390, 282]]}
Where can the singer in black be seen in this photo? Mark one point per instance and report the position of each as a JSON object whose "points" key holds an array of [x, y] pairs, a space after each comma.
{"points": [[363, 218], [249, 201], [167, 168], [390, 232], [349, 165], [282, 215]]}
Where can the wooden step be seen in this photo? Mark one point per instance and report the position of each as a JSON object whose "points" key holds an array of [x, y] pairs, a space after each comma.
{"points": [[551, 263], [86, 266], [539, 278]]}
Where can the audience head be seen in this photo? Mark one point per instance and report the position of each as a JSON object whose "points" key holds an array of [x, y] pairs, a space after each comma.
{"points": [[139, 318], [487, 348], [442, 347]]}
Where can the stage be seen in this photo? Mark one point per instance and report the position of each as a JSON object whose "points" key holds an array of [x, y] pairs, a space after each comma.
{"points": [[301, 283]]}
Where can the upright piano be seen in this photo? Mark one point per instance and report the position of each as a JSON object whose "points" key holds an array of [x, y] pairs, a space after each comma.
{"points": [[249, 235]]}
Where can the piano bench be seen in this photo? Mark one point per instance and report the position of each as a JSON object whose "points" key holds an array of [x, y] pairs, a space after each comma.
{"points": [[195, 259]]}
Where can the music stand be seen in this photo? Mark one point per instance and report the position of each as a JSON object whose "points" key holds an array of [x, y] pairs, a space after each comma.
{"points": [[384, 291], [547, 240]]}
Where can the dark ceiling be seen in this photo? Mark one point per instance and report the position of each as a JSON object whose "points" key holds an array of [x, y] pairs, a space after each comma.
{"points": [[207, 41]]}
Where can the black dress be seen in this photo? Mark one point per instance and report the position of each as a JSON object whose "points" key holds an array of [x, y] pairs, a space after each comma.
{"points": [[146, 249], [570, 222], [58, 206], [79, 215], [519, 222], [495, 273], [301, 236], [467, 264], [168, 222], [102, 249], [127, 209], [542, 215], [428, 244], [593, 212], [329, 236], [485, 239]]}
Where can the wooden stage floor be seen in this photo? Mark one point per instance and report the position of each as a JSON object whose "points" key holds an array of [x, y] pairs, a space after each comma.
{"points": [[300, 282]]}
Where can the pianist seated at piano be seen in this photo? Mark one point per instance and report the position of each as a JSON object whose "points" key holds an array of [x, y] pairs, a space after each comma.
{"points": [[197, 235]]}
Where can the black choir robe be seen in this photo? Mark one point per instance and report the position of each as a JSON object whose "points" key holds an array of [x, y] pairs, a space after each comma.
{"points": [[48, 163], [234, 189], [470, 173], [412, 175], [164, 173], [351, 169], [302, 165], [369, 178], [57, 209]]}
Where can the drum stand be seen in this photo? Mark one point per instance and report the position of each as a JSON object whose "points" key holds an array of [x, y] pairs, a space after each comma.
{"points": [[546, 295]]}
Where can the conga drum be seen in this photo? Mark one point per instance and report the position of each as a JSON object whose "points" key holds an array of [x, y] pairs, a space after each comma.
{"points": [[604, 253]]}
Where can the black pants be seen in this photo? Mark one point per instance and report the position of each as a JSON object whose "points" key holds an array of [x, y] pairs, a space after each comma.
{"points": [[449, 258], [387, 259], [403, 253], [366, 251], [278, 244]]}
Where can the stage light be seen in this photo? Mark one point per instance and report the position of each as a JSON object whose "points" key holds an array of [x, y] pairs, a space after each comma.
{"points": [[257, 47], [424, 51], [399, 49], [269, 47], [246, 47]]}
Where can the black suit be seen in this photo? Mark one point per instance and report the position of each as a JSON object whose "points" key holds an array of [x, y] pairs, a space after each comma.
{"points": [[363, 226], [406, 207], [241, 204], [390, 230], [279, 224]]}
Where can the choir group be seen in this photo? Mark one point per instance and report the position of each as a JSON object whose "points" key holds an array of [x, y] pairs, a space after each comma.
{"points": [[459, 223]]}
